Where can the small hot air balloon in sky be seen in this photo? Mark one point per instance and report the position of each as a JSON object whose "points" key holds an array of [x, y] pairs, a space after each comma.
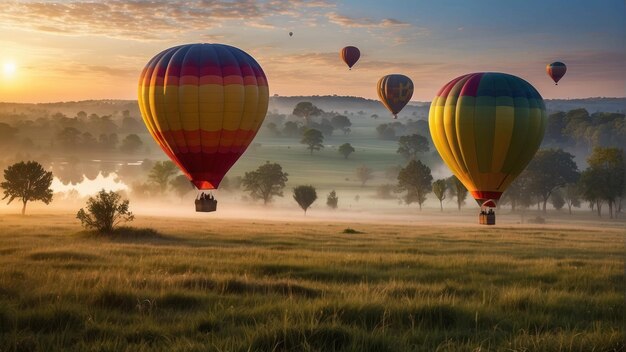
{"points": [[487, 127], [291, 34], [350, 55], [556, 71], [395, 91], [203, 104]]}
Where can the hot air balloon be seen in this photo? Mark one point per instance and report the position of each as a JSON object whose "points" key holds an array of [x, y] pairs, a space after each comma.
{"points": [[487, 127], [203, 104], [291, 34], [556, 71], [395, 91], [350, 55]]}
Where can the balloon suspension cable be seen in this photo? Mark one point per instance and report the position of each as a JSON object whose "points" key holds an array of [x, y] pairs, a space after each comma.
{"points": [[395, 117]]}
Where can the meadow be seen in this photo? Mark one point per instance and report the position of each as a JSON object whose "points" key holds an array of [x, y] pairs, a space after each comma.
{"points": [[190, 284]]}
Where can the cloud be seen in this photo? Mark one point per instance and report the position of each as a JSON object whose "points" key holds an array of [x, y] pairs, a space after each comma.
{"points": [[146, 19], [364, 22]]}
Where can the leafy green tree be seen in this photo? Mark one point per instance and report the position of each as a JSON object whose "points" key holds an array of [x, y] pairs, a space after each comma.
{"points": [[306, 110], [385, 191], [607, 166], [549, 170], [131, 143], [416, 179], [556, 199], [266, 181], [181, 185], [161, 173], [291, 129], [313, 139], [410, 146], [591, 188], [341, 122], [304, 196], [518, 193], [273, 128], [346, 149], [457, 189], [69, 138], [364, 174], [27, 181], [439, 189], [571, 196], [332, 200], [104, 212]]}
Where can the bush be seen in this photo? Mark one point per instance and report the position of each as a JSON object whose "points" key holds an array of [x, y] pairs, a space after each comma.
{"points": [[104, 212]]}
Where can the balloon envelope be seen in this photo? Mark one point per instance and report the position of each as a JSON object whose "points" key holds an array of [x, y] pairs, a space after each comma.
{"points": [[395, 91], [203, 104], [487, 127], [350, 55], [556, 71], [290, 34]]}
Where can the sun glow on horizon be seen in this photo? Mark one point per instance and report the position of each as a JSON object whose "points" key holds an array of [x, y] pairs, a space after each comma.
{"points": [[9, 69]]}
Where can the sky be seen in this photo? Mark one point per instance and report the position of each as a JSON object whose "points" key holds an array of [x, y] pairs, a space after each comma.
{"points": [[77, 50]]}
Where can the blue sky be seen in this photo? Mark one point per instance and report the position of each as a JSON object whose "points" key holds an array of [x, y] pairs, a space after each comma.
{"points": [[73, 50]]}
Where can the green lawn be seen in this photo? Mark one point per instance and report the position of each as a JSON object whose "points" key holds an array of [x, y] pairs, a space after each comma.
{"points": [[227, 285]]}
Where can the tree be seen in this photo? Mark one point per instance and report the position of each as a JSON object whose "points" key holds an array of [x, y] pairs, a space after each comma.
{"points": [[341, 122], [28, 181], [518, 193], [69, 138], [346, 149], [181, 185], [161, 173], [409, 146], [306, 109], [131, 143], [291, 129], [305, 196], [590, 187], [313, 139], [265, 182], [608, 167], [7, 133], [571, 196], [332, 200], [364, 174], [556, 198], [550, 169], [457, 189], [104, 212], [416, 179], [439, 189]]}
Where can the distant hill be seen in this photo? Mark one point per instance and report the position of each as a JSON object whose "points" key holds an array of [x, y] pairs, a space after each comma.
{"points": [[285, 105]]}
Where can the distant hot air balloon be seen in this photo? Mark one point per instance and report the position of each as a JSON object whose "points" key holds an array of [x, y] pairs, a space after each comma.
{"points": [[203, 105], [487, 127], [395, 91], [556, 71], [291, 34], [350, 55]]}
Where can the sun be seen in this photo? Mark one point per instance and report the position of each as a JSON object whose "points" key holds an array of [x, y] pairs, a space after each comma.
{"points": [[9, 69]]}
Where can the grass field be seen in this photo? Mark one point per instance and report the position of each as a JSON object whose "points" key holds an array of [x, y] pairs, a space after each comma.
{"points": [[247, 285]]}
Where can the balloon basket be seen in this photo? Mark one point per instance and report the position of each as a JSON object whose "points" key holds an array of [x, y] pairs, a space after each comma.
{"points": [[206, 204], [487, 218]]}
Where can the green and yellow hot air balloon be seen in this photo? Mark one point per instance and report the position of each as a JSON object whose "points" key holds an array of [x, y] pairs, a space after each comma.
{"points": [[487, 127]]}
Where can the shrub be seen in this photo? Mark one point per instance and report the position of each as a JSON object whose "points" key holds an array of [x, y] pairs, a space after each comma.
{"points": [[104, 212]]}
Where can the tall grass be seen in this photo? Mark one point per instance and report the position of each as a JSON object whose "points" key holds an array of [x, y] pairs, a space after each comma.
{"points": [[244, 286]]}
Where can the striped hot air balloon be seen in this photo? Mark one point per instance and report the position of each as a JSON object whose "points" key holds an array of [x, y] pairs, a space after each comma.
{"points": [[350, 55], [556, 71], [203, 104], [487, 127], [394, 91]]}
